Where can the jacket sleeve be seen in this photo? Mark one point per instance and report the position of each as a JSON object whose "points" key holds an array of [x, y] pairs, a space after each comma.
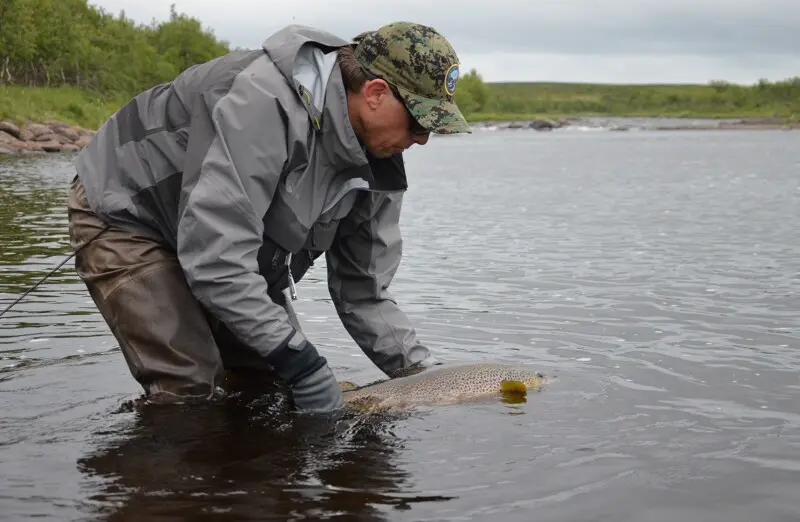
{"points": [[236, 153], [361, 264]]}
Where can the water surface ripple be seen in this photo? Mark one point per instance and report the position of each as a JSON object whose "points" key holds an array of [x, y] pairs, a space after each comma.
{"points": [[652, 275]]}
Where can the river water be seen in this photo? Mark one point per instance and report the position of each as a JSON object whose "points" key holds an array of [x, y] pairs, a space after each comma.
{"points": [[653, 276]]}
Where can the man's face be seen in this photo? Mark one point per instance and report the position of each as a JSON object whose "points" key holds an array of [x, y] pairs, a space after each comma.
{"points": [[389, 128]]}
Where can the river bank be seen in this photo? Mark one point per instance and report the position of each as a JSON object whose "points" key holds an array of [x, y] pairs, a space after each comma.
{"points": [[63, 119], [48, 136], [56, 136], [628, 123]]}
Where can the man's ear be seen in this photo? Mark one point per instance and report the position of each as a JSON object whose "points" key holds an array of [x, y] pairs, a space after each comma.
{"points": [[375, 92]]}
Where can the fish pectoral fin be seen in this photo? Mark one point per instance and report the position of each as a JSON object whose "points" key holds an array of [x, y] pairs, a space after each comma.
{"points": [[513, 387], [513, 392], [364, 404]]}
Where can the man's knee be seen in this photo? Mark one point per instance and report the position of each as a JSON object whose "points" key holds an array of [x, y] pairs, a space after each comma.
{"points": [[141, 291], [163, 332]]}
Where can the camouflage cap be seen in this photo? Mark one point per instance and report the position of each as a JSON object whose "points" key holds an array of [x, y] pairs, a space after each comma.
{"points": [[422, 65]]}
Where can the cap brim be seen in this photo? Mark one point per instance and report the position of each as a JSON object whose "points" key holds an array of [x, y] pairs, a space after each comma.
{"points": [[438, 116]]}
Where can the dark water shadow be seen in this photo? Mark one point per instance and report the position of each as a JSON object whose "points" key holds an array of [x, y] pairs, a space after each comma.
{"points": [[246, 459]]}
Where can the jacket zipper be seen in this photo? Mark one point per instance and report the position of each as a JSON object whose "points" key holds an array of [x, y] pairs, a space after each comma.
{"points": [[288, 263], [275, 257], [292, 288]]}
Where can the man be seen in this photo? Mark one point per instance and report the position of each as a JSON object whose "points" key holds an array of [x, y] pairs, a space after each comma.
{"points": [[200, 203]]}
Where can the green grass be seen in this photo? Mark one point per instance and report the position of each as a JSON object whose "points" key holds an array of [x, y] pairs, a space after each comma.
{"points": [[67, 104], [517, 101]]}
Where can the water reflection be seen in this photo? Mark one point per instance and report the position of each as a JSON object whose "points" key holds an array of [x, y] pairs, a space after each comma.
{"points": [[653, 273], [33, 231], [32, 219], [245, 459]]}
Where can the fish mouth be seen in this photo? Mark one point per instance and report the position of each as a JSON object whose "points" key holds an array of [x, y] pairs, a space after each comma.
{"points": [[536, 381]]}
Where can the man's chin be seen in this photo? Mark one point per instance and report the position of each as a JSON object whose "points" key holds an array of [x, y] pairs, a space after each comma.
{"points": [[384, 153]]}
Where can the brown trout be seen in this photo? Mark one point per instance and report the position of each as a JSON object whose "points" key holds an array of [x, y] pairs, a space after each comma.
{"points": [[444, 385]]}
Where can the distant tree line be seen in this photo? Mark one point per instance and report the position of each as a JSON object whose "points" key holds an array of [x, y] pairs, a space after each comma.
{"points": [[717, 98], [69, 42]]}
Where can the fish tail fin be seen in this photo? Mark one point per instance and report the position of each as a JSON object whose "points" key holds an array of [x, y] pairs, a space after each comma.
{"points": [[346, 386]]}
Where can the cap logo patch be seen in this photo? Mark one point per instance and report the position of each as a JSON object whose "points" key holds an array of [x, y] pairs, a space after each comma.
{"points": [[451, 79]]}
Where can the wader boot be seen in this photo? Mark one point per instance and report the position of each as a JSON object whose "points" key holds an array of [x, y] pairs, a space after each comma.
{"points": [[172, 347]]}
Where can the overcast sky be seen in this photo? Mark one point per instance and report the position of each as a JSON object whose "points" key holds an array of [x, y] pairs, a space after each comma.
{"points": [[616, 41]]}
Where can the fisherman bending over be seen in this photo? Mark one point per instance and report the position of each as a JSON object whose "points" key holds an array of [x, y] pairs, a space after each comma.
{"points": [[214, 193]]}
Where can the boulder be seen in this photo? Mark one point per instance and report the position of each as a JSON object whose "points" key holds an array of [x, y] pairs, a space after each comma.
{"points": [[68, 132], [83, 141], [10, 128], [544, 125], [51, 146], [48, 136], [6, 150], [37, 129], [5, 137]]}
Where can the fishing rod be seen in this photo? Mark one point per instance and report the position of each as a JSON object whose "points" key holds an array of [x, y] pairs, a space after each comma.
{"points": [[53, 271]]}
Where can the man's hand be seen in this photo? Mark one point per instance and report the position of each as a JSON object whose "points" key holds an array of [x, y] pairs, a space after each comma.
{"points": [[314, 388], [318, 392]]}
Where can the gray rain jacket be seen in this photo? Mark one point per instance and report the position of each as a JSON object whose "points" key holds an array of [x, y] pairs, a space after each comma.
{"points": [[248, 164]]}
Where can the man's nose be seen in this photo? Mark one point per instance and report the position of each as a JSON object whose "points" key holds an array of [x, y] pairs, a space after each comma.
{"points": [[420, 139]]}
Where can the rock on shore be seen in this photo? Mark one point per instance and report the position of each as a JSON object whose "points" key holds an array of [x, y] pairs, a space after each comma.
{"points": [[48, 136], [538, 124]]}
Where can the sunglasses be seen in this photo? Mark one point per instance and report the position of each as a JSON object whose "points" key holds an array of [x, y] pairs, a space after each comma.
{"points": [[414, 127]]}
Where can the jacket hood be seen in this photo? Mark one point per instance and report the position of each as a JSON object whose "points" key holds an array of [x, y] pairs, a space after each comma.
{"points": [[284, 47], [306, 57]]}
